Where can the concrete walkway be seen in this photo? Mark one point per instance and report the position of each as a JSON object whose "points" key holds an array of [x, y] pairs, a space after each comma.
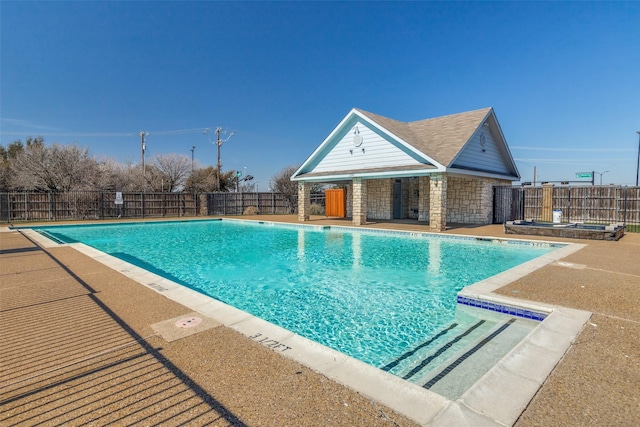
{"points": [[78, 348]]}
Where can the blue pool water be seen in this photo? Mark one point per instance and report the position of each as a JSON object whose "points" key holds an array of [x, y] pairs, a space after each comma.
{"points": [[371, 295]]}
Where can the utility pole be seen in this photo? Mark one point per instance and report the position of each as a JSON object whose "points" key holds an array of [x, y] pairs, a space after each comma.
{"points": [[219, 141], [219, 144], [192, 150], [192, 183], [638, 165], [142, 148]]}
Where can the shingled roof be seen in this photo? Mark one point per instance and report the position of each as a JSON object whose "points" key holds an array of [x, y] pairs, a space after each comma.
{"points": [[441, 138], [469, 143]]}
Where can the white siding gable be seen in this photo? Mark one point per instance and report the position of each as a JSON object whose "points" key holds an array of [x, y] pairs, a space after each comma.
{"points": [[482, 153], [374, 151]]}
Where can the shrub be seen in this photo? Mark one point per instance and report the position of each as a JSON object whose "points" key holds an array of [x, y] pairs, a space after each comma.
{"points": [[251, 210], [316, 209]]}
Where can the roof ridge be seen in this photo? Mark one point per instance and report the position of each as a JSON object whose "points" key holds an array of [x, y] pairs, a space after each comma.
{"points": [[369, 113], [487, 109]]}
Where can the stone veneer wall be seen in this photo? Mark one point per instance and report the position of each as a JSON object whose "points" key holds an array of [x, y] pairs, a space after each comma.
{"points": [[410, 198], [204, 208], [423, 198], [360, 196], [438, 186], [304, 201], [470, 200], [380, 198], [348, 191]]}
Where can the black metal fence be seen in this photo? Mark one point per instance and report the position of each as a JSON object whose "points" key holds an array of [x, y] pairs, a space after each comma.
{"points": [[588, 204], [25, 206]]}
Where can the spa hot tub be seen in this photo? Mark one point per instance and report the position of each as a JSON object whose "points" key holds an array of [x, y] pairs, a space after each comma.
{"points": [[573, 230]]}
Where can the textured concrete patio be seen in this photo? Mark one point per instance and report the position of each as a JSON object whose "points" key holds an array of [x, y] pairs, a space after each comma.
{"points": [[80, 344]]}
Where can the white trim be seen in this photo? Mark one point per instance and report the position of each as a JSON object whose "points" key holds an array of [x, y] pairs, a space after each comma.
{"points": [[354, 113], [482, 122], [329, 139], [480, 174], [400, 140], [404, 173], [506, 146], [368, 175], [502, 143], [323, 144]]}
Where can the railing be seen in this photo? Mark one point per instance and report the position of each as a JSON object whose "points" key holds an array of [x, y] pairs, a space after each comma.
{"points": [[23, 206], [589, 204]]}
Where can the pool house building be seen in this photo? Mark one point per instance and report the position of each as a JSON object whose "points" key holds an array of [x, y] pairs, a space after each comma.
{"points": [[440, 170]]}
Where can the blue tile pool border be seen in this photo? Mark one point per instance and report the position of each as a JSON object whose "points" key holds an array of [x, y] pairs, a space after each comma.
{"points": [[501, 308], [421, 234]]}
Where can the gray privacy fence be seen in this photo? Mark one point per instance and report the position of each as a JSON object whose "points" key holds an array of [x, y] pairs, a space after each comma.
{"points": [[19, 206], [598, 204]]}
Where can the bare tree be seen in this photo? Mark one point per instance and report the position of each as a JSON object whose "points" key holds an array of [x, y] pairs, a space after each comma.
{"points": [[171, 169], [204, 180], [248, 187], [281, 183], [7, 158], [116, 176], [54, 168], [34, 166]]}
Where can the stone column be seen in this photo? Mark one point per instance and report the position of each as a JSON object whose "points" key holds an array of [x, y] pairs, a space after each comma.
{"points": [[547, 202], [349, 195], [359, 201], [304, 200], [204, 209], [438, 202], [486, 200], [423, 198]]}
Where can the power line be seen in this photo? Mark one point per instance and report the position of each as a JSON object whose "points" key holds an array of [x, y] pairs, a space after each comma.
{"points": [[86, 134], [515, 147], [578, 161], [108, 134], [177, 132]]}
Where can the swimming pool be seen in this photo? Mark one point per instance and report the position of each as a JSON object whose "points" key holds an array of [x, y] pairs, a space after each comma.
{"points": [[369, 294]]}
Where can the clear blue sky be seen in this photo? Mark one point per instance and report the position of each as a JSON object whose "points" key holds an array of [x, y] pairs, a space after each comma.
{"points": [[563, 78]]}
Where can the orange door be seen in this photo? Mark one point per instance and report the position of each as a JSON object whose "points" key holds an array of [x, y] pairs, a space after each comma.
{"points": [[335, 202]]}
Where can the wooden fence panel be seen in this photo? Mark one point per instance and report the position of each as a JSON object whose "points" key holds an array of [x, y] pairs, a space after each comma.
{"points": [[589, 204], [532, 203]]}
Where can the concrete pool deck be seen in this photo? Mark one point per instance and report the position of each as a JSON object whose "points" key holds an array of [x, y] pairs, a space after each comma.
{"points": [[222, 372]]}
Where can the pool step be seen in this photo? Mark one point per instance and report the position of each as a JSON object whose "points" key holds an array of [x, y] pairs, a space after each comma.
{"points": [[464, 368], [442, 350], [416, 349], [415, 364], [456, 357]]}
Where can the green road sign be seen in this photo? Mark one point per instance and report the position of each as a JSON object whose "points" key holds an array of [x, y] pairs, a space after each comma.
{"points": [[584, 175]]}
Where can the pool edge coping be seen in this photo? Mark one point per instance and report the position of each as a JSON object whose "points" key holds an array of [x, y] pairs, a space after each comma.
{"points": [[516, 378]]}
